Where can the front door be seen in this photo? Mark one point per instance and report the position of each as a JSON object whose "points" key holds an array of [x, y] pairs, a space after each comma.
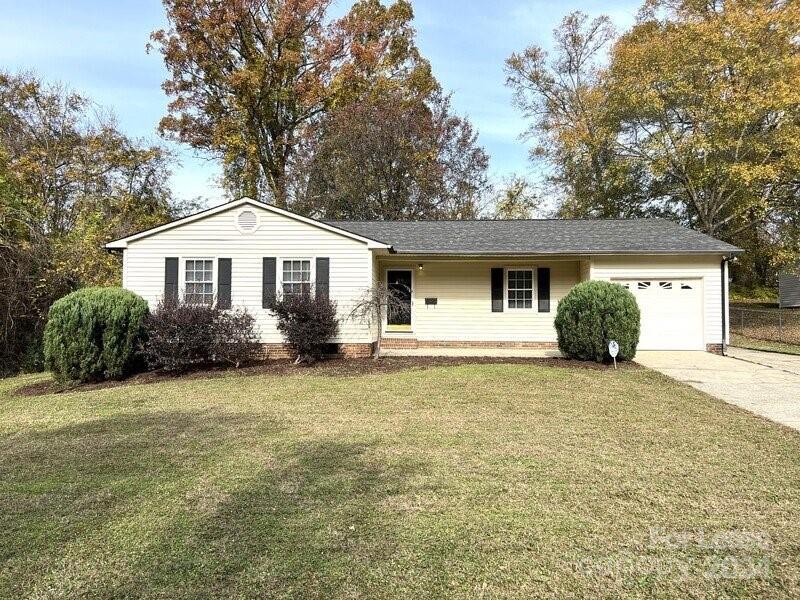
{"points": [[398, 316]]}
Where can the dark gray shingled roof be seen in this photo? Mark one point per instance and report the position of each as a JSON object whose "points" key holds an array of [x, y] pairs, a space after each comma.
{"points": [[546, 236]]}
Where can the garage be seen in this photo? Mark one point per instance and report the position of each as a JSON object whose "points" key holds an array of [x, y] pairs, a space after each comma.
{"points": [[672, 313]]}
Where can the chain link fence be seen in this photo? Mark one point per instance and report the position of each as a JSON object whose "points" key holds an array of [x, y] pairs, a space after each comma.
{"points": [[771, 325]]}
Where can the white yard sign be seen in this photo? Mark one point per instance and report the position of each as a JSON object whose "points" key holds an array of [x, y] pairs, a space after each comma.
{"points": [[613, 350]]}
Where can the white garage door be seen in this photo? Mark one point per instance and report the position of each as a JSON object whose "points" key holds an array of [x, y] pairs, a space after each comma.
{"points": [[672, 313]]}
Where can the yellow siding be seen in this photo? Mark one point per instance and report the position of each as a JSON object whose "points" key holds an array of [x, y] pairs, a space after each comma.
{"points": [[464, 311], [706, 268], [279, 236], [462, 287]]}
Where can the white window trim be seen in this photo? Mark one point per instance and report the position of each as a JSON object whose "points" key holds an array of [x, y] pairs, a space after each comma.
{"points": [[182, 276], [534, 303], [279, 269]]}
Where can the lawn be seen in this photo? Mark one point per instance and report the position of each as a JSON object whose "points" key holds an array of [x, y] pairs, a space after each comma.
{"points": [[490, 480], [765, 345]]}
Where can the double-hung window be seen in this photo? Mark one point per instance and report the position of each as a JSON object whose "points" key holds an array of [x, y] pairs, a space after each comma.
{"points": [[296, 277], [520, 288], [199, 281]]}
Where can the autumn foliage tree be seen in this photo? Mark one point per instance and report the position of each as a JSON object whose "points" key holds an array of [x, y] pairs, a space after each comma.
{"points": [[516, 199], [694, 113], [391, 155], [707, 95], [70, 181], [573, 131], [247, 77]]}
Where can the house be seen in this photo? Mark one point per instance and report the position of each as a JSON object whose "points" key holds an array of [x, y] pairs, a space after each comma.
{"points": [[471, 283], [789, 288]]}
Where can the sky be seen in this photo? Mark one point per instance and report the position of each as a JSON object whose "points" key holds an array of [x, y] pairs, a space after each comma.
{"points": [[98, 48]]}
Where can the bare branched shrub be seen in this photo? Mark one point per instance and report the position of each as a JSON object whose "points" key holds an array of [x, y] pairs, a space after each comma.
{"points": [[375, 303]]}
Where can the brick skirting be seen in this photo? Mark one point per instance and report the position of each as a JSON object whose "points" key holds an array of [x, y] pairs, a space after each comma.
{"points": [[365, 350], [279, 351], [356, 350], [396, 343], [404, 343]]}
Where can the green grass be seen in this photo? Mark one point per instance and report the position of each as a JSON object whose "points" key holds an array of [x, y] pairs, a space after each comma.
{"points": [[465, 481], [756, 294], [767, 345]]}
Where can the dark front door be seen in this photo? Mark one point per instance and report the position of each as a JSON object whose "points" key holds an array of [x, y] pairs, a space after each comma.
{"points": [[399, 284]]}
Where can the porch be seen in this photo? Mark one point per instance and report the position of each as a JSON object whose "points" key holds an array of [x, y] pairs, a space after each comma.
{"points": [[462, 306]]}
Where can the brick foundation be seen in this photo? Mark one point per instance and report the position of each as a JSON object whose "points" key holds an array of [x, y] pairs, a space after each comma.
{"points": [[282, 351], [404, 343], [365, 350], [355, 350], [397, 343]]}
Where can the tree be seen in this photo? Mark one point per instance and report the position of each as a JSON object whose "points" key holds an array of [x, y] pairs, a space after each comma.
{"points": [[573, 132], [69, 183], [707, 96], [374, 304], [695, 116], [516, 200], [248, 76], [389, 155]]}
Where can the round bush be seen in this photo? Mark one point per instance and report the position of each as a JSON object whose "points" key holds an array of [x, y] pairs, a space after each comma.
{"points": [[594, 313], [93, 334]]}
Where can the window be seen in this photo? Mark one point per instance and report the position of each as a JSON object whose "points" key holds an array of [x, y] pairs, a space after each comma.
{"points": [[686, 286], [296, 277], [520, 288], [665, 285], [199, 281], [643, 285]]}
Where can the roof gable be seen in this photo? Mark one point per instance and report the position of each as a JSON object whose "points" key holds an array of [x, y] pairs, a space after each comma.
{"points": [[122, 243]]}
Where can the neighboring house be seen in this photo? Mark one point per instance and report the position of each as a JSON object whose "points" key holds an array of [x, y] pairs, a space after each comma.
{"points": [[472, 283], [789, 288]]}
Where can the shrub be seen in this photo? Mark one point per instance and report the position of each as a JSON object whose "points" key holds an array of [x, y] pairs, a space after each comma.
{"points": [[183, 336], [308, 322], [594, 313], [93, 334]]}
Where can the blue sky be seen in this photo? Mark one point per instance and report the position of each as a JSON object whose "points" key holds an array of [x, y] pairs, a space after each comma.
{"points": [[98, 48]]}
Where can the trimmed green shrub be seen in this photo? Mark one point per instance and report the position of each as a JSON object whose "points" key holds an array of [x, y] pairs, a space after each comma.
{"points": [[183, 336], [308, 322], [94, 334], [594, 313]]}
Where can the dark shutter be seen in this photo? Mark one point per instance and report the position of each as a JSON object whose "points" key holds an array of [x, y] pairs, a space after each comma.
{"points": [[224, 285], [170, 279], [268, 281], [323, 277], [497, 290], [543, 289]]}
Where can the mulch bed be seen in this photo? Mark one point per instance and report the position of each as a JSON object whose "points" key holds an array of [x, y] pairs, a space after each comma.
{"points": [[353, 367]]}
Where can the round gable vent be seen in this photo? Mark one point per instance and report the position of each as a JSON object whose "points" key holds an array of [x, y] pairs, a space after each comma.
{"points": [[247, 221]]}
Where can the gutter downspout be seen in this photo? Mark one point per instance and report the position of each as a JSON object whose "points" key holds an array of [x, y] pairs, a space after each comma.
{"points": [[723, 268]]}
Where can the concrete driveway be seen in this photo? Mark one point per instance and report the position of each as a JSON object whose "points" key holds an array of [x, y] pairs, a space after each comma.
{"points": [[765, 384]]}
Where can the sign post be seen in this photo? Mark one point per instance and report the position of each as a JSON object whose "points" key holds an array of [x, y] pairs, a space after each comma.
{"points": [[613, 350]]}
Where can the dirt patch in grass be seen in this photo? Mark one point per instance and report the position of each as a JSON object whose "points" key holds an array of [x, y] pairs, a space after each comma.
{"points": [[327, 368]]}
